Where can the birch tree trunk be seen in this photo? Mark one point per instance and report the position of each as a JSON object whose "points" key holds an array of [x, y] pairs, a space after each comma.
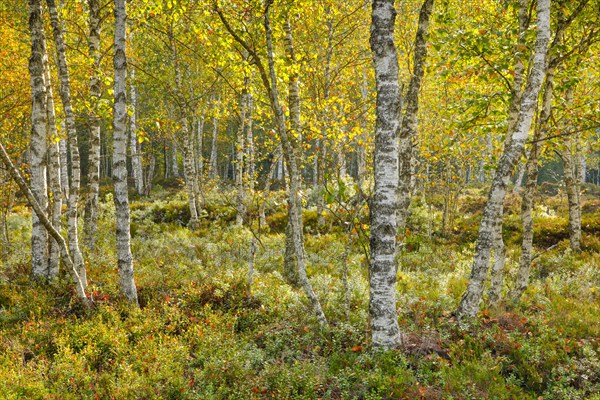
{"points": [[64, 169], [199, 157], [471, 299], [571, 177], [121, 198], [291, 265], [408, 129], [91, 204], [45, 222], [527, 222], [191, 181], [497, 275], [527, 200], [239, 157], [385, 332], [212, 163], [135, 149], [149, 175], [174, 161], [38, 147], [53, 177], [65, 95], [572, 184], [249, 167], [532, 169], [291, 155], [498, 247]]}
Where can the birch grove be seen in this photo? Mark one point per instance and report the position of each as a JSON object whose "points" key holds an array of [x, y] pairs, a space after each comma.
{"points": [[306, 199]]}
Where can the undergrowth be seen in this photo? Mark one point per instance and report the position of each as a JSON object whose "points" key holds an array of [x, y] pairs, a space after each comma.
{"points": [[201, 333]]}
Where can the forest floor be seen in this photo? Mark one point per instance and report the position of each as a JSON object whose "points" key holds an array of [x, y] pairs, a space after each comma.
{"points": [[200, 335]]}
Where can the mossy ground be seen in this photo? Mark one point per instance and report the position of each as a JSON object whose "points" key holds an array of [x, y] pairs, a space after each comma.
{"points": [[199, 334]]}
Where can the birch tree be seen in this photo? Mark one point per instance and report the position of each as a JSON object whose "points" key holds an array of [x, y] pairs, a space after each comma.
{"points": [[290, 149], [385, 332], [191, 181], [44, 220], [471, 299], [134, 144], [239, 155], [39, 146], [121, 198], [54, 177], [556, 58], [91, 205], [65, 95], [408, 127]]}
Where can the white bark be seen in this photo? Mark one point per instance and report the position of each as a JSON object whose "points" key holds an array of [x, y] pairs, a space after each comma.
{"points": [[174, 160], [471, 299], [54, 177], [520, 175], [385, 332], [497, 275], [121, 198], [38, 147], [91, 205], [212, 163], [572, 185], [532, 170], [249, 157], [199, 146], [65, 95], [64, 169]]}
